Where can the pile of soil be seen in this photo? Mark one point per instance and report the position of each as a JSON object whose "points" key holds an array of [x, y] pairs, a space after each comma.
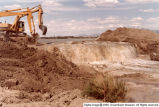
{"points": [[36, 71], [147, 41]]}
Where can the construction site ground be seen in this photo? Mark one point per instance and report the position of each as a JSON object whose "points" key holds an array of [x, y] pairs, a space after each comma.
{"points": [[53, 74]]}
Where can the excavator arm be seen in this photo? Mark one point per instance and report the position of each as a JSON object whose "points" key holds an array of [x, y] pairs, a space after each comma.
{"points": [[40, 19], [41, 26]]}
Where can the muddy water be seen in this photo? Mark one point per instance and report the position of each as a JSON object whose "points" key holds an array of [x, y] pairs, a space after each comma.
{"points": [[105, 56], [89, 52], [114, 55]]}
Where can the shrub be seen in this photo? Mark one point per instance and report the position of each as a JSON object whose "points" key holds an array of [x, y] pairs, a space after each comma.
{"points": [[106, 87]]}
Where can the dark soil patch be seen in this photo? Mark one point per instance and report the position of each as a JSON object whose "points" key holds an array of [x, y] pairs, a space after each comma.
{"points": [[36, 71]]}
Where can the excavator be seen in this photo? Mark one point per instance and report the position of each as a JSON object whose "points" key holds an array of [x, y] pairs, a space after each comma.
{"points": [[17, 29]]}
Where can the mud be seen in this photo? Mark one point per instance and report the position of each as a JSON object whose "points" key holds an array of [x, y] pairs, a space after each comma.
{"points": [[37, 72], [146, 41]]}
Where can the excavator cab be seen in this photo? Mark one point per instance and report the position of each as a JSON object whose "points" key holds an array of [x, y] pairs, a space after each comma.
{"points": [[21, 26]]}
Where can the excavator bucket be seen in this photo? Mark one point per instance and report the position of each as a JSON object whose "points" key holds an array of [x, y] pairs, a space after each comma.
{"points": [[43, 29]]}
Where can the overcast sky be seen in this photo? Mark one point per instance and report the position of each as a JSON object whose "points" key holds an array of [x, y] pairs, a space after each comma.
{"points": [[74, 17]]}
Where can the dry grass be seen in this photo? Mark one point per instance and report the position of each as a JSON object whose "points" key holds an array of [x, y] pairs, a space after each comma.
{"points": [[107, 88]]}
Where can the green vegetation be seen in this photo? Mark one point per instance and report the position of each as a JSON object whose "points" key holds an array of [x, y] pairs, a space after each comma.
{"points": [[106, 87]]}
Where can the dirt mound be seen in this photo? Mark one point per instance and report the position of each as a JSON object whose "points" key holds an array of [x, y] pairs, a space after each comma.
{"points": [[33, 71], [146, 40]]}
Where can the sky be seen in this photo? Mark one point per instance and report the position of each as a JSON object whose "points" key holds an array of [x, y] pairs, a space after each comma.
{"points": [[87, 17]]}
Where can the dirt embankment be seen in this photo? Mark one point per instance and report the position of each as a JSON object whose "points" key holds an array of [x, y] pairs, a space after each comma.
{"points": [[147, 41], [33, 71]]}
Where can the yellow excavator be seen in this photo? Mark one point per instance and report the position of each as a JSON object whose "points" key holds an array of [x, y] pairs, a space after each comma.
{"points": [[17, 29]]}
